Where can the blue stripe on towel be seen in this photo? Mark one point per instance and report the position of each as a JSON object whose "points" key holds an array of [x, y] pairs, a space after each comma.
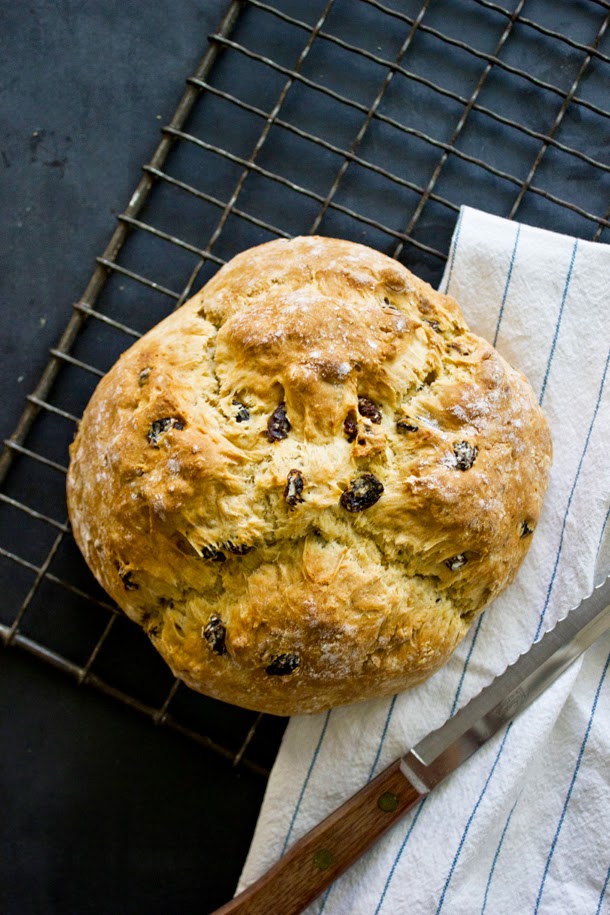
{"points": [[571, 496], [370, 776], [470, 819], [325, 898], [508, 279], [382, 738], [399, 855], [603, 893], [465, 667], [456, 239], [497, 855], [571, 788], [601, 536], [558, 324], [306, 782]]}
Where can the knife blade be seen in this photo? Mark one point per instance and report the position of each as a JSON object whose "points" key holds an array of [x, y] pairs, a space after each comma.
{"points": [[328, 850]]}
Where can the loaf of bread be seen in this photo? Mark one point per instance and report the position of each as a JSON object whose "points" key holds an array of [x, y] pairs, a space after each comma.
{"points": [[308, 481]]}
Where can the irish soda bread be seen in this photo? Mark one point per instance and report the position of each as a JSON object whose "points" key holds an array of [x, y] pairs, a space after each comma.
{"points": [[307, 482]]}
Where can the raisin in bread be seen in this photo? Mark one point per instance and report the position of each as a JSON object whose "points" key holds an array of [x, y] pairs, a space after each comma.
{"points": [[308, 481]]}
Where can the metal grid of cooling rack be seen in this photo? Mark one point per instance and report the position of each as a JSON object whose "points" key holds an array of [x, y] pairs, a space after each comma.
{"points": [[367, 120]]}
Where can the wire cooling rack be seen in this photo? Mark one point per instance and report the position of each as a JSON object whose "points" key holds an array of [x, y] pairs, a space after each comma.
{"points": [[353, 118]]}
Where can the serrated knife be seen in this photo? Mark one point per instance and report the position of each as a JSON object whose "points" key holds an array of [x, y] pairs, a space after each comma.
{"points": [[324, 853]]}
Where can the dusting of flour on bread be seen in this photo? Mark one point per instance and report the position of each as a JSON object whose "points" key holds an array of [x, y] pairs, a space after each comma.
{"points": [[308, 481]]}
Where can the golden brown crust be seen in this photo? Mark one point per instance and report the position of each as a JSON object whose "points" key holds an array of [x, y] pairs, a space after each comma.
{"points": [[294, 558]]}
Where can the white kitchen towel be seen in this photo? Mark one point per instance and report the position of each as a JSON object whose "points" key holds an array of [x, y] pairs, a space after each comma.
{"points": [[524, 826]]}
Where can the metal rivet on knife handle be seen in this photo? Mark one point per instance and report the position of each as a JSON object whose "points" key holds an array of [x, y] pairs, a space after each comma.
{"points": [[387, 802], [323, 858]]}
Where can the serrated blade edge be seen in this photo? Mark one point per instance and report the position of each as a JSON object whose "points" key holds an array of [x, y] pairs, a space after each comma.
{"points": [[443, 750]]}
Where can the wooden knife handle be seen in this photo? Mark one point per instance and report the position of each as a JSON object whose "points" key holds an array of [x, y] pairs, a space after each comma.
{"points": [[322, 855]]}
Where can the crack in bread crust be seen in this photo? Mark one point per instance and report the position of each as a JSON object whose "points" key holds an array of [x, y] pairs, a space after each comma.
{"points": [[446, 457]]}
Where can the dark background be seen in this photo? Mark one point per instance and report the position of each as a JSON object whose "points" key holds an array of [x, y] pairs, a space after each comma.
{"points": [[85, 87], [97, 806]]}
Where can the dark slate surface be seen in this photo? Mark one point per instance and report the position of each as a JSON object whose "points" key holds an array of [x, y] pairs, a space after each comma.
{"points": [[85, 87]]}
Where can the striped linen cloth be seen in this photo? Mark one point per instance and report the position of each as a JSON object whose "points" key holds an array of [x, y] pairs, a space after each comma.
{"points": [[524, 826]]}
